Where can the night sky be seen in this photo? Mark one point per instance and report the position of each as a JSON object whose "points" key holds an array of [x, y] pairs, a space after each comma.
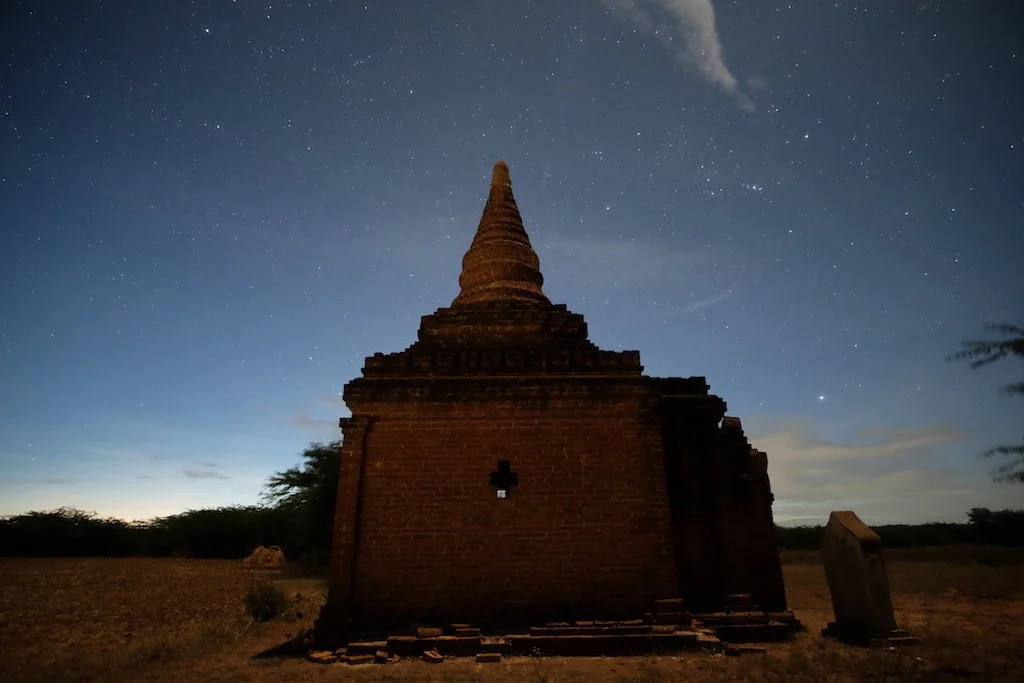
{"points": [[213, 211]]}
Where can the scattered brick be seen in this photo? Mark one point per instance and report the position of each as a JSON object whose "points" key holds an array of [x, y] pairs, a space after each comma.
{"points": [[488, 657]]}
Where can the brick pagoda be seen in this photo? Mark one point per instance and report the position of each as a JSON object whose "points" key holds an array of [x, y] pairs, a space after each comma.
{"points": [[503, 471]]}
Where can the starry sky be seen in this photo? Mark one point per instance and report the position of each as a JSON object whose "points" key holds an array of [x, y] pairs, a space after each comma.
{"points": [[213, 211]]}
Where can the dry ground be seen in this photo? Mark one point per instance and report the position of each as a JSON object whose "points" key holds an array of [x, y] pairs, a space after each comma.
{"points": [[181, 620]]}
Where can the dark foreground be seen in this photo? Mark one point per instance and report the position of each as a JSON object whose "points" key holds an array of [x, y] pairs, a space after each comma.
{"points": [[182, 620]]}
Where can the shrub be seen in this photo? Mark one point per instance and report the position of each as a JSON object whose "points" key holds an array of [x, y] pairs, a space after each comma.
{"points": [[265, 600]]}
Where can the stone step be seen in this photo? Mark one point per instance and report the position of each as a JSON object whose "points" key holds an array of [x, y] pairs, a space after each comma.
{"points": [[597, 645], [672, 618], [726, 618], [669, 605], [451, 646], [739, 600], [497, 645], [365, 647], [618, 629]]}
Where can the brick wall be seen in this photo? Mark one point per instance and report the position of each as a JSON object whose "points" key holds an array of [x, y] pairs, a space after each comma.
{"points": [[586, 529]]}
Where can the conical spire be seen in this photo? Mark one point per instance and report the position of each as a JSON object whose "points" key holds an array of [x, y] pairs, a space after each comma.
{"points": [[500, 265]]}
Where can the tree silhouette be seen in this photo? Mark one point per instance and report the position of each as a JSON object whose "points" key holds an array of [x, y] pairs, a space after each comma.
{"points": [[989, 351], [310, 491]]}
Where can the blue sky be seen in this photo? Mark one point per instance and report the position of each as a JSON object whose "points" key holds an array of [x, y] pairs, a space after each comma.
{"points": [[212, 213]]}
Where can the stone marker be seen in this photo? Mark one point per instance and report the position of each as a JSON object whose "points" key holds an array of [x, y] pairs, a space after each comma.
{"points": [[859, 584]]}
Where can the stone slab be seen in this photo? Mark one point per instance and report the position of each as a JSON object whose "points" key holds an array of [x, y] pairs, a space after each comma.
{"points": [[618, 629], [598, 645], [322, 657], [429, 632], [451, 646], [488, 657], [365, 647], [716, 618]]}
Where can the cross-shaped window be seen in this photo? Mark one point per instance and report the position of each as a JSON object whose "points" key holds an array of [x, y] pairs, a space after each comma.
{"points": [[504, 479]]}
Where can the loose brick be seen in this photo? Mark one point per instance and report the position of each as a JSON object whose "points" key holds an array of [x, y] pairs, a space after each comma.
{"points": [[488, 657], [429, 632]]}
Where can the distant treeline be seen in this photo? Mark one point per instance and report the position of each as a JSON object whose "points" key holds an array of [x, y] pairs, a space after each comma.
{"points": [[228, 532], [983, 527], [232, 532]]}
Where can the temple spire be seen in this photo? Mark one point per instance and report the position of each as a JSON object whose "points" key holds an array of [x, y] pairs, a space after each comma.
{"points": [[500, 265]]}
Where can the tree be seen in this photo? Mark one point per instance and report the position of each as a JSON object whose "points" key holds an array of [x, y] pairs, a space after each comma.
{"points": [[989, 351], [309, 491]]}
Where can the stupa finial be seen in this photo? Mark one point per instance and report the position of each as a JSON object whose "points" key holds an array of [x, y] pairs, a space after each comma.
{"points": [[501, 264]]}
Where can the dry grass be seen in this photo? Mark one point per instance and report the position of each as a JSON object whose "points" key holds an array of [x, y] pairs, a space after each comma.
{"points": [[84, 618], [69, 620]]}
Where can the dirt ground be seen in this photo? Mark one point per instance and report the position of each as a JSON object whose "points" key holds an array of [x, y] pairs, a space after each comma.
{"points": [[182, 620]]}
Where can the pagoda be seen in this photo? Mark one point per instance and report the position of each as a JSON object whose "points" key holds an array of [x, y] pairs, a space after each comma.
{"points": [[503, 471]]}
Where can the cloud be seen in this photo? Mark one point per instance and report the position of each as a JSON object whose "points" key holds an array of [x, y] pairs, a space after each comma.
{"points": [[692, 23], [799, 442], [888, 475], [301, 418], [624, 263], [204, 474], [708, 302], [58, 481], [126, 454]]}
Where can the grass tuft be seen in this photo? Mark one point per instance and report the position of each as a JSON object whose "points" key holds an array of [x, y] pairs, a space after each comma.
{"points": [[264, 600]]}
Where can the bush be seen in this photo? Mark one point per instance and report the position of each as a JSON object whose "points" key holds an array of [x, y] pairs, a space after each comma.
{"points": [[265, 600]]}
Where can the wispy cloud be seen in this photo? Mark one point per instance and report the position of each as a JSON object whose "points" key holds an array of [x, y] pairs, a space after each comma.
{"points": [[301, 418], [57, 481], [204, 474], [887, 474], [624, 263], [691, 24], [127, 454], [708, 302]]}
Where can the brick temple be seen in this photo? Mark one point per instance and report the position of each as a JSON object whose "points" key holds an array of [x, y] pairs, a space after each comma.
{"points": [[504, 471]]}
